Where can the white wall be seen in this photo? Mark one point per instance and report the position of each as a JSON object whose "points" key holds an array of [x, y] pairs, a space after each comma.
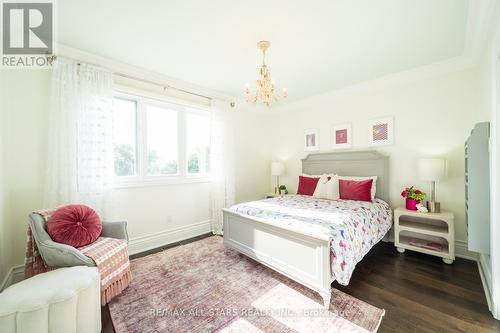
{"points": [[164, 209], [252, 153], [4, 237], [432, 116], [156, 215], [26, 105]]}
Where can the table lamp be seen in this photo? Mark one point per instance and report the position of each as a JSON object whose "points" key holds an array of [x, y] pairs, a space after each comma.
{"points": [[277, 169], [433, 170]]}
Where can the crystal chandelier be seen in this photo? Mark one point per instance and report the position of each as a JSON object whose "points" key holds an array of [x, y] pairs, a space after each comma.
{"points": [[265, 85]]}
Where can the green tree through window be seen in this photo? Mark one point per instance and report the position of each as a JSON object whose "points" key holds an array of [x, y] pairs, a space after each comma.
{"points": [[193, 164], [124, 160]]}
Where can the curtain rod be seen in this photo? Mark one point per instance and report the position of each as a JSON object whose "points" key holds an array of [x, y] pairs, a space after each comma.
{"points": [[164, 86]]}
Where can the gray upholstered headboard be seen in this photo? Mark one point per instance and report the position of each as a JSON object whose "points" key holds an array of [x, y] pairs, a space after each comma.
{"points": [[352, 163]]}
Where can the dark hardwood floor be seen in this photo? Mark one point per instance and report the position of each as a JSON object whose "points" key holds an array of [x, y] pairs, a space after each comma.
{"points": [[418, 292]]}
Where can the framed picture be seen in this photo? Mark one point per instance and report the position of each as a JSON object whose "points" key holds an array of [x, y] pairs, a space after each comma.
{"points": [[311, 140], [382, 131], [342, 136]]}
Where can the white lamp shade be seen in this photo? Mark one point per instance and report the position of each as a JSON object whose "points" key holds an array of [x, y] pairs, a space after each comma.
{"points": [[277, 168], [431, 169]]}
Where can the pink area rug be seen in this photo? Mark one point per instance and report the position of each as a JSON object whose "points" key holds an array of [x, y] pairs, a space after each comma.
{"points": [[203, 287]]}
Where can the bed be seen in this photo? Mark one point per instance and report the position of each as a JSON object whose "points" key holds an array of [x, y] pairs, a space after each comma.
{"points": [[314, 241]]}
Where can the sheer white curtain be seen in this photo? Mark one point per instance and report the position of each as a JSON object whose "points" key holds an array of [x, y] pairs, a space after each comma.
{"points": [[222, 189], [80, 147]]}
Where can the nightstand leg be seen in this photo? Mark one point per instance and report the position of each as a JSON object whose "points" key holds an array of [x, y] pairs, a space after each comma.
{"points": [[447, 261], [400, 250]]}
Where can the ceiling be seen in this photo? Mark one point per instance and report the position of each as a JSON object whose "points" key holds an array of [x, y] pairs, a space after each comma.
{"points": [[316, 46]]}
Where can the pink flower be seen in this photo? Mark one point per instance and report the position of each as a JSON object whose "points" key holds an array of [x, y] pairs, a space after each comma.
{"points": [[404, 194]]}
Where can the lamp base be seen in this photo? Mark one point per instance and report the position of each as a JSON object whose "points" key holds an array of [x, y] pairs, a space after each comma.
{"points": [[433, 207]]}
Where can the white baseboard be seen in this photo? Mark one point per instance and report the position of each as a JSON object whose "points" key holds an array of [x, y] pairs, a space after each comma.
{"points": [[485, 273], [151, 241], [462, 251], [14, 275]]}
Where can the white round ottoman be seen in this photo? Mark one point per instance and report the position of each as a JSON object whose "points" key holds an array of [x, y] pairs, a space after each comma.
{"points": [[65, 300]]}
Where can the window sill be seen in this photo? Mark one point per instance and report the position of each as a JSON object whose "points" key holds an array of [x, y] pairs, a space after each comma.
{"points": [[123, 184]]}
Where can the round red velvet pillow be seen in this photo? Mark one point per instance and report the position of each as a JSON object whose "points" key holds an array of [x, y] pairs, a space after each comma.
{"points": [[75, 225]]}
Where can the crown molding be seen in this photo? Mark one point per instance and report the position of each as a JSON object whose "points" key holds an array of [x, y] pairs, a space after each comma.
{"points": [[135, 71]]}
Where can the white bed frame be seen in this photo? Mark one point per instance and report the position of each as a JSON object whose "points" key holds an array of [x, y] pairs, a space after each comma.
{"points": [[304, 258]]}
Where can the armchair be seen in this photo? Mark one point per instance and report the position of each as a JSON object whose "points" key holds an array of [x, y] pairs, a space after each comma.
{"points": [[61, 255]]}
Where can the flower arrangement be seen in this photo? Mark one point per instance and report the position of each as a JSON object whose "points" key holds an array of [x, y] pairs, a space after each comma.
{"points": [[413, 193], [413, 197]]}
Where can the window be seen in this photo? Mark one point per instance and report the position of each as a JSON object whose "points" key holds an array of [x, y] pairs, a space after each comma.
{"points": [[197, 143], [124, 137], [155, 141], [162, 143]]}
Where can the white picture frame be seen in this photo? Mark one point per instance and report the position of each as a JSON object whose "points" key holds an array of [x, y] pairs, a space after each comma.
{"points": [[342, 136], [381, 131], [311, 139]]}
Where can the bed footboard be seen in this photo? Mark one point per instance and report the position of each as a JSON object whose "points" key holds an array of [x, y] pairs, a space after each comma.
{"points": [[301, 257]]}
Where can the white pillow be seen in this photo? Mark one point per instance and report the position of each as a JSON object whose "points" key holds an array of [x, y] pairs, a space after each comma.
{"points": [[327, 188], [320, 191], [332, 188], [374, 184]]}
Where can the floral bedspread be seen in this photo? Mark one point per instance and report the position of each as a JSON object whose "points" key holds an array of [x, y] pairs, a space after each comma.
{"points": [[353, 226]]}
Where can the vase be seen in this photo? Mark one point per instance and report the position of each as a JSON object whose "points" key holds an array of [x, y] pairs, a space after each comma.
{"points": [[411, 204]]}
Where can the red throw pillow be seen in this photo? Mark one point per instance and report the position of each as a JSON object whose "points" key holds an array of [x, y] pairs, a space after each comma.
{"points": [[307, 185], [75, 225], [356, 189]]}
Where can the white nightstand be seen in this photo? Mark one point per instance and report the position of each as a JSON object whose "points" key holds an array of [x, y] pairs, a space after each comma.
{"points": [[272, 195], [413, 227]]}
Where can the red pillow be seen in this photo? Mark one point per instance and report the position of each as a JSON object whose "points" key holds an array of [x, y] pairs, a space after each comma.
{"points": [[356, 189], [307, 185], [75, 225]]}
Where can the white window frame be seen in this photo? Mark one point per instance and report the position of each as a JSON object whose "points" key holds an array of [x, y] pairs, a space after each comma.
{"points": [[142, 179], [137, 148]]}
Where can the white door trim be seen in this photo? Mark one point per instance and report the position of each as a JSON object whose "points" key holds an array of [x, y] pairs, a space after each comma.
{"points": [[495, 189]]}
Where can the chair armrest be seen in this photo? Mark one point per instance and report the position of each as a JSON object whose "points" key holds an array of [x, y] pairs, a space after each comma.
{"points": [[55, 254], [115, 229], [61, 255]]}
